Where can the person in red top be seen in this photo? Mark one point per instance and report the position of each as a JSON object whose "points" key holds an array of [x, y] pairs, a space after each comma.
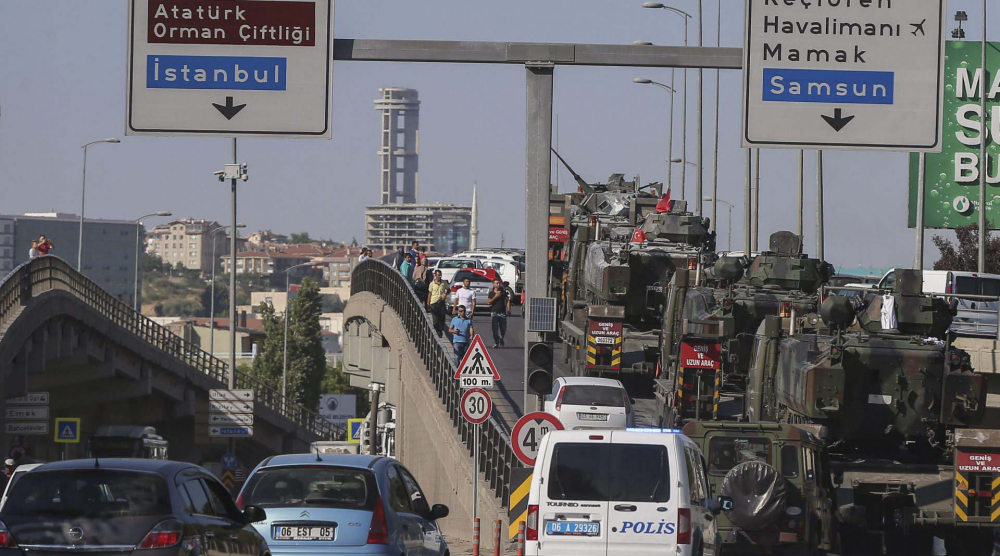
{"points": [[44, 246]]}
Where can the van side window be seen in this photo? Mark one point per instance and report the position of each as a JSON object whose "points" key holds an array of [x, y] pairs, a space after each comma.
{"points": [[889, 282], [789, 461], [807, 458], [695, 479]]}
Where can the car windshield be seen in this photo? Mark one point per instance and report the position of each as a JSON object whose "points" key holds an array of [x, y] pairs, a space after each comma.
{"points": [[321, 486], [456, 263], [615, 472], [605, 396], [89, 493], [725, 452]]}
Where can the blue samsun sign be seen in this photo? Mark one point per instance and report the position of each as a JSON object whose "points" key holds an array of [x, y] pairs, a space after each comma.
{"points": [[67, 430], [354, 430]]}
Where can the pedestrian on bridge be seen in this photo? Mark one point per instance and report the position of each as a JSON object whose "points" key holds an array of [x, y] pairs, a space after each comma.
{"points": [[44, 246], [462, 331], [499, 309], [406, 269], [465, 297], [437, 293]]}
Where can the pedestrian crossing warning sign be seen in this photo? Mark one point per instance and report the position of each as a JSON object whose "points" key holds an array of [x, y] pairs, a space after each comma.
{"points": [[67, 430], [476, 369], [354, 430]]}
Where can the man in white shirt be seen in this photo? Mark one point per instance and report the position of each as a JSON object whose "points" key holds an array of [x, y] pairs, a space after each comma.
{"points": [[466, 298]]}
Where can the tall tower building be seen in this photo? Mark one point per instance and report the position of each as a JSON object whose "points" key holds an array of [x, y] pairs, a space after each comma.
{"points": [[400, 144], [474, 232]]}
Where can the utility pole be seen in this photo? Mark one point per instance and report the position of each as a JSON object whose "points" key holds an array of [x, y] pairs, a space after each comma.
{"points": [[918, 262], [802, 189], [819, 206], [982, 153]]}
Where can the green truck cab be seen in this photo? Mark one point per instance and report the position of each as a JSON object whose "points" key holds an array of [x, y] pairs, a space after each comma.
{"points": [[777, 476]]}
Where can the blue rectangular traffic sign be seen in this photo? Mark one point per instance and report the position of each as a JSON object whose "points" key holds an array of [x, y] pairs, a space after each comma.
{"points": [[354, 430], [833, 86], [67, 430]]}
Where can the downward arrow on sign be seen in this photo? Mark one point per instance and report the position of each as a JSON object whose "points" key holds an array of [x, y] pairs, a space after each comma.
{"points": [[838, 121], [229, 111]]}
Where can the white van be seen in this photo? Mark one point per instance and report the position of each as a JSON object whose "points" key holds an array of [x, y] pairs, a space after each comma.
{"points": [[620, 493], [951, 281]]}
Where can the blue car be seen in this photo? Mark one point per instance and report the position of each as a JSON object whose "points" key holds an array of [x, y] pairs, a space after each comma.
{"points": [[334, 504]]}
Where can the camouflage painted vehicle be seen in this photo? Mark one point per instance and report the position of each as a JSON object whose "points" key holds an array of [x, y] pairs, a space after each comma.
{"points": [[909, 426], [622, 253], [776, 475], [709, 329]]}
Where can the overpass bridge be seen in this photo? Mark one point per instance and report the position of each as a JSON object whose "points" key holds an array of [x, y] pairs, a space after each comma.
{"points": [[107, 364], [389, 339]]}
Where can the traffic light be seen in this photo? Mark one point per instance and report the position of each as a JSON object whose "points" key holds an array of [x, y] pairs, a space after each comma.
{"points": [[540, 368]]}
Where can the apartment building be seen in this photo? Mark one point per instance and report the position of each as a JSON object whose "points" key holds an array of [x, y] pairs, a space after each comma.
{"points": [[190, 243]]}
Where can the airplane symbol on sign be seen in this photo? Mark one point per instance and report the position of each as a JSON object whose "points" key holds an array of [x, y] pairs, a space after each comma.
{"points": [[918, 27]]}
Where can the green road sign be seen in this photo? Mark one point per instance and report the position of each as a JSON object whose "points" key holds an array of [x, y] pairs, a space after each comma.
{"points": [[952, 186]]}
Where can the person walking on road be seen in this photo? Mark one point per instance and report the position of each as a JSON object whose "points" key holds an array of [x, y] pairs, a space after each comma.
{"points": [[406, 269], [499, 309], [465, 297], [461, 330], [415, 250], [437, 293]]}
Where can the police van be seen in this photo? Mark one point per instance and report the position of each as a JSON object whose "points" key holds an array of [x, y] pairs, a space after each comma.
{"points": [[620, 493]]}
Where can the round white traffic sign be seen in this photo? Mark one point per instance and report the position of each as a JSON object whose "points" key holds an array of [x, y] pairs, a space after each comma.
{"points": [[528, 432], [476, 405]]}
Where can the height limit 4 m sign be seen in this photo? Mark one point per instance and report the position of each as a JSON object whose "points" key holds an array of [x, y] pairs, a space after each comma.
{"points": [[230, 68], [476, 369], [844, 74]]}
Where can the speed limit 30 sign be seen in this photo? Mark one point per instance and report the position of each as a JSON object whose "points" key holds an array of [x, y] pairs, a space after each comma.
{"points": [[528, 432], [476, 405]]}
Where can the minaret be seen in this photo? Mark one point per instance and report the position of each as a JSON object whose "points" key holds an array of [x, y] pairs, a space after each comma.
{"points": [[474, 232]]}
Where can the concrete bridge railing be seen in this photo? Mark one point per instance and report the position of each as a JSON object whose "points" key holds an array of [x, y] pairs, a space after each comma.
{"points": [[48, 273], [495, 458]]}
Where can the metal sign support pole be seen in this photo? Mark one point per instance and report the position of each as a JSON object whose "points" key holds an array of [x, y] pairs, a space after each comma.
{"points": [[982, 154], [819, 206], [232, 297], [475, 472], [802, 187], [918, 262], [756, 199], [538, 161], [747, 204]]}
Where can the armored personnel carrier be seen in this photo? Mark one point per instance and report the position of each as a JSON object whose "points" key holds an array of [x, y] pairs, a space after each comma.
{"points": [[915, 450]]}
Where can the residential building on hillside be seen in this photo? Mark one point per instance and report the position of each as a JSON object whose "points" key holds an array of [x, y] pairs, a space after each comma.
{"points": [[190, 243], [262, 262], [108, 247], [441, 228]]}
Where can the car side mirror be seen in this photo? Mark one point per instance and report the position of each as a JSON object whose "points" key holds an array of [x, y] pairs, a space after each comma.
{"points": [[253, 514], [720, 504], [439, 511]]}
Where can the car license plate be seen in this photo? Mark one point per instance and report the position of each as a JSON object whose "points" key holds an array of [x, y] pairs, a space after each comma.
{"points": [[303, 533], [592, 416], [605, 340], [573, 528]]}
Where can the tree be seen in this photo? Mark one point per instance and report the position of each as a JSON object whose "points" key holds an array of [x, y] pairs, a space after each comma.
{"points": [[300, 237], [963, 255], [221, 300], [267, 364]]}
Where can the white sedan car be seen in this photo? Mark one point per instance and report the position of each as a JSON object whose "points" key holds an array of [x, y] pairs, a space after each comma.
{"points": [[590, 403]]}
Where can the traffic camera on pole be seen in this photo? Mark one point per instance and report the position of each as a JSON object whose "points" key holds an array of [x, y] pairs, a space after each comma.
{"points": [[540, 367]]}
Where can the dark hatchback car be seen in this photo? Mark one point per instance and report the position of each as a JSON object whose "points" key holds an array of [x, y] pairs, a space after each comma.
{"points": [[116, 507]]}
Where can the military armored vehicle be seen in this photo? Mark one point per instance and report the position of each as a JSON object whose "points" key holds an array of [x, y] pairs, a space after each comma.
{"points": [[914, 445], [775, 475], [626, 242], [708, 330]]}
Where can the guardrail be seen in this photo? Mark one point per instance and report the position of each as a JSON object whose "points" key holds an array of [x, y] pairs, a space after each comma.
{"points": [[495, 458], [52, 273]]}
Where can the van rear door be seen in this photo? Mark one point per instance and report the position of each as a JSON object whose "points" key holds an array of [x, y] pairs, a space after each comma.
{"points": [[642, 514], [573, 498]]}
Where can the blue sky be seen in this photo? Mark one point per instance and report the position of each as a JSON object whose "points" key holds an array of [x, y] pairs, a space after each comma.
{"points": [[62, 84]]}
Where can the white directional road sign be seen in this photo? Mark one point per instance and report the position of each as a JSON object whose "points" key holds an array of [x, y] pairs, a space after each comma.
{"points": [[527, 435], [230, 407], [258, 68], [31, 398], [28, 413], [230, 431], [476, 369], [230, 395], [476, 405], [27, 427], [844, 74], [230, 419]]}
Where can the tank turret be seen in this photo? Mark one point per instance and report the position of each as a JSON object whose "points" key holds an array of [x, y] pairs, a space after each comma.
{"points": [[785, 267]]}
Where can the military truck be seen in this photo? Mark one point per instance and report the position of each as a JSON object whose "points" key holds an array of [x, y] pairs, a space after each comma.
{"points": [[776, 476], [708, 329], [911, 433]]}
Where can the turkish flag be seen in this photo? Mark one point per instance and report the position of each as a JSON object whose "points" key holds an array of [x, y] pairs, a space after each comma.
{"points": [[639, 236], [665, 204]]}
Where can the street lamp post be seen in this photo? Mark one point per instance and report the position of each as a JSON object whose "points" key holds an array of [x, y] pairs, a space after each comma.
{"points": [[729, 208], [211, 324], [83, 200], [670, 141], [138, 222], [687, 18], [288, 306]]}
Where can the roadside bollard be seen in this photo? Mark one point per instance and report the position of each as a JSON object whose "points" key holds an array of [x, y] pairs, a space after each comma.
{"points": [[475, 537], [520, 538], [496, 537]]}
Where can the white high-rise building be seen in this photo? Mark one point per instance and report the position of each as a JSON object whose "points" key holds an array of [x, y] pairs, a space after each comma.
{"points": [[400, 144]]}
